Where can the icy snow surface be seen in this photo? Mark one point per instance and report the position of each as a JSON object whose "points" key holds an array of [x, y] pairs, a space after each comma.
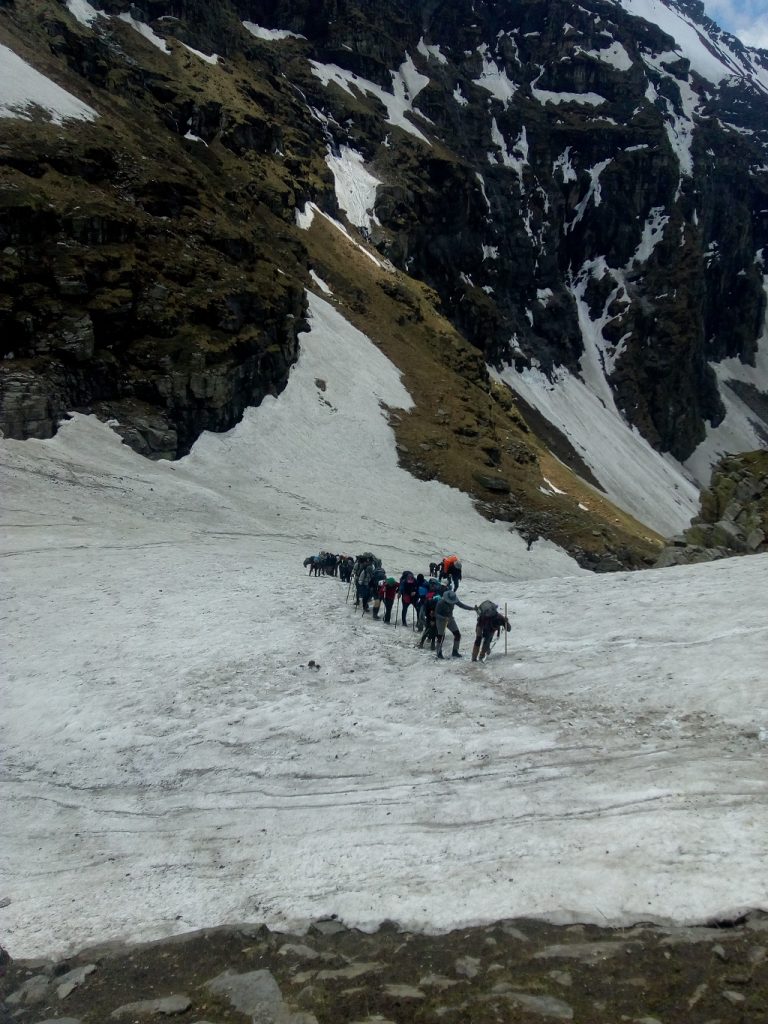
{"points": [[273, 35], [355, 186], [407, 83], [431, 51], [652, 487], [615, 55], [712, 59], [145, 30], [22, 88], [85, 13], [209, 58], [171, 761], [494, 79]]}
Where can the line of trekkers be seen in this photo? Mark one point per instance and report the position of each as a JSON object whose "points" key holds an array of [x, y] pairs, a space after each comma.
{"points": [[430, 600]]}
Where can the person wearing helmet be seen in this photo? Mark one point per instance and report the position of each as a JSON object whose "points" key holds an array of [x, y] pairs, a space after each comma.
{"points": [[444, 619]]}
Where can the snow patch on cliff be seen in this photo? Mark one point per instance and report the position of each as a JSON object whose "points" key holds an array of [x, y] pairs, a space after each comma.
{"points": [[743, 429], [23, 88], [355, 186]]}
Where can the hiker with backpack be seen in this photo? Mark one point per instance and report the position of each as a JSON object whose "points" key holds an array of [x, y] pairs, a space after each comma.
{"points": [[444, 620], [407, 591], [454, 574], [363, 576], [489, 621], [388, 589], [427, 620], [378, 576]]}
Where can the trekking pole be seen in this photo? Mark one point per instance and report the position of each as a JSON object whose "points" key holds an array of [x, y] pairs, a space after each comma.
{"points": [[397, 610], [505, 627], [349, 588]]}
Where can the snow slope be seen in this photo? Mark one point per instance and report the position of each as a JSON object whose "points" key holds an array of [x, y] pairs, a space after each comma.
{"points": [[652, 487], [22, 88], [172, 761]]}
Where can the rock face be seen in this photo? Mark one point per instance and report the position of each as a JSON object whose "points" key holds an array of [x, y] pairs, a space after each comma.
{"points": [[588, 190], [577, 191], [734, 514]]}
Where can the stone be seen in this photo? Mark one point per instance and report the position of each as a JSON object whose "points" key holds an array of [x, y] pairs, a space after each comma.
{"points": [[586, 951], [727, 534], [437, 981], [298, 950], [329, 926], [755, 539], [719, 951], [496, 484], [403, 992], [352, 971], [562, 978], [514, 933], [72, 1020], [74, 335], [757, 955], [168, 1006], [546, 1006], [67, 983], [34, 990], [467, 966], [255, 994], [734, 998]]}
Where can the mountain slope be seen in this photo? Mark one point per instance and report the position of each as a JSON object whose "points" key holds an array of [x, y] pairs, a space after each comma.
{"points": [[582, 187], [193, 767]]}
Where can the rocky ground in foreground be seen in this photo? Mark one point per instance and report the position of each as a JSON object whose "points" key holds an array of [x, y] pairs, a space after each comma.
{"points": [[512, 971]]}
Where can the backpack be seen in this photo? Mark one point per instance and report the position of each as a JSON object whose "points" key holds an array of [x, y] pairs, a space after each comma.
{"points": [[486, 609]]}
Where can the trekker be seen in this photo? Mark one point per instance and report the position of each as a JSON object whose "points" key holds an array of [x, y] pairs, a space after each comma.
{"points": [[407, 590], [427, 621], [377, 578], [489, 621], [444, 619], [389, 590], [455, 574], [363, 585]]}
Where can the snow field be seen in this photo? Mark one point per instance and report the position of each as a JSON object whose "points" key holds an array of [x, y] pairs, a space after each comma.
{"points": [[23, 87], [172, 761]]}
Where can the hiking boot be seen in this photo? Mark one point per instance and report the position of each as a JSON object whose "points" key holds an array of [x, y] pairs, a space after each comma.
{"points": [[455, 654], [439, 656]]}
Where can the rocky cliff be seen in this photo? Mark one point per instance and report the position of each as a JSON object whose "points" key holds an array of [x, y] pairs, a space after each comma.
{"points": [[733, 519], [557, 189]]}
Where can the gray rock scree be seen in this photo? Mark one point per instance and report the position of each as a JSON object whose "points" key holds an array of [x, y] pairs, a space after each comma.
{"points": [[247, 974]]}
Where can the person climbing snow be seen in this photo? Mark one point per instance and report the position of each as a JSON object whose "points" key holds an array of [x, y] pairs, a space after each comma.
{"points": [[407, 590], [444, 620], [489, 621], [454, 574], [389, 590], [427, 619]]}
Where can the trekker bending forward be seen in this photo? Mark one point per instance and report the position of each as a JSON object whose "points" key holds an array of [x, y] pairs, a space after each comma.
{"points": [[489, 621], [444, 619]]}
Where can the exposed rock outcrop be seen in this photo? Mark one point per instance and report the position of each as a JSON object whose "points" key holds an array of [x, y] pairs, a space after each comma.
{"points": [[734, 514]]}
